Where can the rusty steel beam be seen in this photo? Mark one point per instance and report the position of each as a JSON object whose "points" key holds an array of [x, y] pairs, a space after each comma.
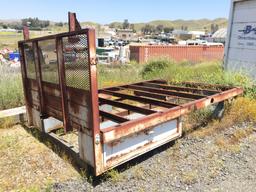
{"points": [[142, 93], [39, 79], [63, 88], [26, 33], [183, 89], [168, 92], [73, 23], [114, 133], [158, 81], [27, 96], [113, 117], [202, 85], [94, 99], [132, 127], [65, 34], [160, 96], [151, 95], [126, 106], [140, 99]]}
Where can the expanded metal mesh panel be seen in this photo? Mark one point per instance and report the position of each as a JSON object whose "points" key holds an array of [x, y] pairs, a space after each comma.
{"points": [[48, 61], [75, 53], [29, 60]]}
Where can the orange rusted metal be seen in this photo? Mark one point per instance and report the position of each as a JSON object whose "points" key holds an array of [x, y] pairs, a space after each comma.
{"points": [[144, 53], [114, 124]]}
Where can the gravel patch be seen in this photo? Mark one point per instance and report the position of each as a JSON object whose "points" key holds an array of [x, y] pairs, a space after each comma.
{"points": [[191, 164]]}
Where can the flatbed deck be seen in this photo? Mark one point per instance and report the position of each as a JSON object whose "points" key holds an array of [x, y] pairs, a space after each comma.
{"points": [[112, 125], [156, 97]]}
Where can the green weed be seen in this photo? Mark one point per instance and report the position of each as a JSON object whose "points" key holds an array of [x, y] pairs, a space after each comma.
{"points": [[11, 94]]}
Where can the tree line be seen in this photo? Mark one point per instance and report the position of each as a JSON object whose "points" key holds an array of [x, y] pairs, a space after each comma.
{"points": [[33, 23], [156, 29]]}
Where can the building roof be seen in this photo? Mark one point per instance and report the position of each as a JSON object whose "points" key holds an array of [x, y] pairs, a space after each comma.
{"points": [[124, 30], [179, 32], [197, 32], [221, 33]]}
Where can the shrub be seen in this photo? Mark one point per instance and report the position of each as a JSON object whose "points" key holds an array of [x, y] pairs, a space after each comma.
{"points": [[155, 67]]}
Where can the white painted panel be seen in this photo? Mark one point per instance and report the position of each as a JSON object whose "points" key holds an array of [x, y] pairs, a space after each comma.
{"points": [[135, 116], [51, 124], [242, 60], [107, 124], [242, 66], [13, 112], [79, 111], [245, 55], [240, 52], [85, 143], [36, 119], [239, 39], [157, 134], [245, 11]]}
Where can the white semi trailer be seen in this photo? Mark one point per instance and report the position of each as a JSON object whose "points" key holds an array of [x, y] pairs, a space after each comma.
{"points": [[240, 51]]}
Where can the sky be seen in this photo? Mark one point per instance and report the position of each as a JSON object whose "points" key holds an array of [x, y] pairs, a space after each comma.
{"points": [[106, 11]]}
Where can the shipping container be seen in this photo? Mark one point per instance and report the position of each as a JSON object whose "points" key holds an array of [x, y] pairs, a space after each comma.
{"points": [[192, 53]]}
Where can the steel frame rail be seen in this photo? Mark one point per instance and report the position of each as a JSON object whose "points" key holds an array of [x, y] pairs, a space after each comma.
{"points": [[189, 92]]}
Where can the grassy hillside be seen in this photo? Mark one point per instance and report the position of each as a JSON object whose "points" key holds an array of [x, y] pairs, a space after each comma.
{"points": [[9, 39], [199, 24], [191, 24]]}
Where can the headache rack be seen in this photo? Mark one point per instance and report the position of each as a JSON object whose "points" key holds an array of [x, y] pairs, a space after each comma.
{"points": [[111, 125]]}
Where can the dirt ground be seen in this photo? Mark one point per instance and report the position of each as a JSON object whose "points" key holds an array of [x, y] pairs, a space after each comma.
{"points": [[223, 161]]}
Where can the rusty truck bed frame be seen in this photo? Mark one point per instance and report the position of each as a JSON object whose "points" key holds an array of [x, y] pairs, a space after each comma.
{"points": [[113, 124]]}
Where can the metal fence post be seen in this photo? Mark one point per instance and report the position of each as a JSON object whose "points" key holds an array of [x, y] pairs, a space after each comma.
{"points": [[62, 82], [97, 143], [39, 82], [25, 85]]}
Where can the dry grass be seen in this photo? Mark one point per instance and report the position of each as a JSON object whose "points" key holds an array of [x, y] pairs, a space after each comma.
{"points": [[189, 177], [6, 122], [232, 143], [240, 134], [114, 176], [241, 110], [139, 173], [27, 165]]}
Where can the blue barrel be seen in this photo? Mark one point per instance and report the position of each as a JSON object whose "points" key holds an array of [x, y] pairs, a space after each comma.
{"points": [[14, 56]]}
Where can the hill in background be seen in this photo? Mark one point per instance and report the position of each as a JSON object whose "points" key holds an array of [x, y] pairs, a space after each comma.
{"points": [[200, 24]]}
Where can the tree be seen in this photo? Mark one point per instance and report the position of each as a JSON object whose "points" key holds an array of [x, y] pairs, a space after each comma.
{"points": [[184, 28], [126, 24], [112, 25], [59, 24], [132, 27], [148, 29], [35, 22], [168, 29], [159, 28], [4, 26], [214, 27]]}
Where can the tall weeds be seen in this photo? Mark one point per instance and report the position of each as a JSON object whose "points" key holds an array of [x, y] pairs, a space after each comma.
{"points": [[11, 92]]}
